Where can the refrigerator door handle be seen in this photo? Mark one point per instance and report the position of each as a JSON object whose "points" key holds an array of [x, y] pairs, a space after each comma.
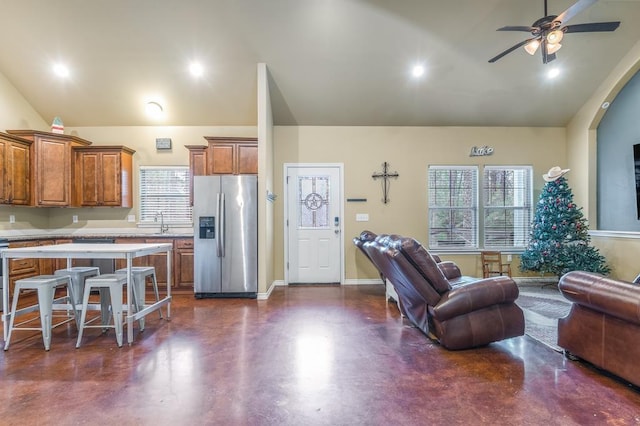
{"points": [[223, 225], [219, 238]]}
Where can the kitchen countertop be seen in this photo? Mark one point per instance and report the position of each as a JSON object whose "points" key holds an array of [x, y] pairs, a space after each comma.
{"points": [[36, 234]]}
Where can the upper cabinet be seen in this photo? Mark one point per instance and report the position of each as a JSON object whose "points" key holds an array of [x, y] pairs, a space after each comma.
{"points": [[103, 176], [223, 156], [232, 156], [51, 166], [14, 170]]}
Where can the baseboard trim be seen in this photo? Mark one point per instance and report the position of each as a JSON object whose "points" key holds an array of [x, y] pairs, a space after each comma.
{"points": [[362, 281], [265, 296], [535, 280]]}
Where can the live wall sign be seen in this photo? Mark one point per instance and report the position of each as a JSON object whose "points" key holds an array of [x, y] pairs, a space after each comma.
{"points": [[480, 151]]}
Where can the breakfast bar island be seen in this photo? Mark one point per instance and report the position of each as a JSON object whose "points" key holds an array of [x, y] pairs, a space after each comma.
{"points": [[72, 251]]}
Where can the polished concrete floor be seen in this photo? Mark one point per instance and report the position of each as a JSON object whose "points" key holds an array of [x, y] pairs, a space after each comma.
{"points": [[310, 355]]}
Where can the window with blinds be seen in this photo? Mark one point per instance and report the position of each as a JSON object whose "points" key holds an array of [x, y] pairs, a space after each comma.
{"points": [[507, 206], [453, 207], [165, 189]]}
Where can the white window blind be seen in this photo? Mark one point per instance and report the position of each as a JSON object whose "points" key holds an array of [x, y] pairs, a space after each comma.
{"points": [[507, 206], [453, 207], [165, 189]]}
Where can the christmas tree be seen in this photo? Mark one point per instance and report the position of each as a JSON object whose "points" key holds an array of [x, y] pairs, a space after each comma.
{"points": [[559, 239]]}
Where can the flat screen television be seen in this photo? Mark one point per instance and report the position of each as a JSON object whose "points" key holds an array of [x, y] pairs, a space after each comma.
{"points": [[636, 158]]}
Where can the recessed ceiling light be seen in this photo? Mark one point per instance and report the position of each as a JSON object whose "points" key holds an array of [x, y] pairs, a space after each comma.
{"points": [[418, 70], [196, 69], [154, 109], [553, 73], [61, 70]]}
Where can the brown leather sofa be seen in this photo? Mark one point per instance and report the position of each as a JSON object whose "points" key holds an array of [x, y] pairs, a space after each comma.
{"points": [[457, 312], [603, 326]]}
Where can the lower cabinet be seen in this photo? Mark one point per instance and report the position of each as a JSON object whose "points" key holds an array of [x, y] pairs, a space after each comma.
{"points": [[22, 268], [182, 273], [183, 261]]}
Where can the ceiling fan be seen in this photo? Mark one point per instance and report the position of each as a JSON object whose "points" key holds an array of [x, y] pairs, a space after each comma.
{"points": [[547, 32]]}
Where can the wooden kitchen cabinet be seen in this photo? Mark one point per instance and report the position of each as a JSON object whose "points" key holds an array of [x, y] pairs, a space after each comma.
{"points": [[182, 267], [197, 165], [15, 169], [50, 173], [47, 266], [183, 256], [22, 268], [223, 156], [232, 156], [157, 260], [103, 176]]}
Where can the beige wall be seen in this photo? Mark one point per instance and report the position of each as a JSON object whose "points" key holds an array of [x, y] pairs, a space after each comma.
{"points": [[409, 150], [622, 254], [16, 113]]}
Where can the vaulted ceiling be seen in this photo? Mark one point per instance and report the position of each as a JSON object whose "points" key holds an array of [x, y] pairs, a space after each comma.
{"points": [[331, 62]]}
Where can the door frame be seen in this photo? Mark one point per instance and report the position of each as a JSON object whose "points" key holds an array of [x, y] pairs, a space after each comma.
{"points": [[285, 168]]}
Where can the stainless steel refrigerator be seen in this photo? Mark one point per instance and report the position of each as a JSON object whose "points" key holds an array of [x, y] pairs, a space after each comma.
{"points": [[225, 217]]}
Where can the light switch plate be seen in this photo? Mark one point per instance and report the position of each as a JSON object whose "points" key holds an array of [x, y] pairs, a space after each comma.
{"points": [[131, 218], [362, 217], [75, 218], [12, 218]]}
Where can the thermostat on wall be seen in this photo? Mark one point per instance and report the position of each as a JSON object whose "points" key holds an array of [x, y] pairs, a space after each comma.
{"points": [[163, 143]]}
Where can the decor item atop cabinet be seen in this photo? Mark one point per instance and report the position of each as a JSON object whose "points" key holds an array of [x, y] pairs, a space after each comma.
{"points": [[15, 170], [51, 166], [103, 176]]}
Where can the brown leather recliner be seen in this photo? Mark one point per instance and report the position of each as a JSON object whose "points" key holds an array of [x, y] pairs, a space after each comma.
{"points": [[603, 326], [459, 316]]}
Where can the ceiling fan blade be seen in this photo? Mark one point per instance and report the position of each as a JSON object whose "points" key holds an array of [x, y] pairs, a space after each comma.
{"points": [[517, 28], [574, 9], [592, 27], [511, 49]]}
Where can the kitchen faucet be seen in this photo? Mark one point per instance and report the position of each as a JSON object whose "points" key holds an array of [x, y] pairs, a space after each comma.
{"points": [[163, 228]]}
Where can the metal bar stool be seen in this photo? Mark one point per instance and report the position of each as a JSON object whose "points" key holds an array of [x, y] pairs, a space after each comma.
{"points": [[140, 275], [78, 275], [114, 283], [46, 287]]}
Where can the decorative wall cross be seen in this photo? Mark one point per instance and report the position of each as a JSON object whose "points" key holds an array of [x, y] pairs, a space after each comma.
{"points": [[385, 176]]}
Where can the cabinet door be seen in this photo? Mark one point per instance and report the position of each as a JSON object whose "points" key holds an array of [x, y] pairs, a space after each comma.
{"points": [[18, 157], [110, 182], [197, 165], [14, 173], [46, 266], [222, 160], [5, 172], [184, 264], [53, 172], [247, 159], [22, 268], [87, 182]]}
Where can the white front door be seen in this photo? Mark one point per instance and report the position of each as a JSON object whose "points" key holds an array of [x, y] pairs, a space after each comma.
{"points": [[313, 223]]}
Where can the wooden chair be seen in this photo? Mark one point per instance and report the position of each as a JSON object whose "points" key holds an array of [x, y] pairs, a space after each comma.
{"points": [[492, 264]]}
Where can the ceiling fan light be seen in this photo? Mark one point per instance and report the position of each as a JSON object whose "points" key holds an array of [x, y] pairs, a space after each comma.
{"points": [[532, 46], [553, 48], [555, 37]]}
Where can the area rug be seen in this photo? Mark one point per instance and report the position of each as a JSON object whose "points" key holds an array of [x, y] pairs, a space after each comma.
{"points": [[542, 306]]}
